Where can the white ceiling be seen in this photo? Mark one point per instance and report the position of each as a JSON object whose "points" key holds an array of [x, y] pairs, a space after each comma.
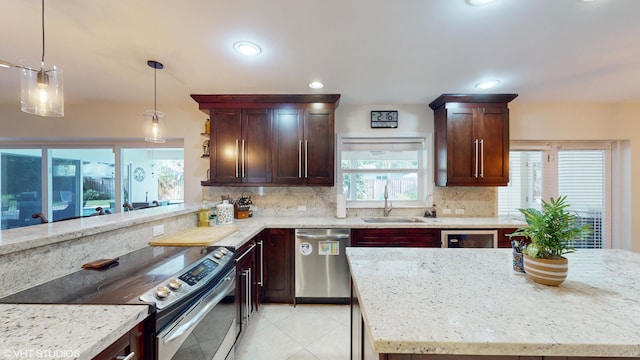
{"points": [[370, 51]]}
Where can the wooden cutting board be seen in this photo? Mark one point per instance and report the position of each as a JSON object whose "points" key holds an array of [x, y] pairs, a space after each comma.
{"points": [[201, 236]]}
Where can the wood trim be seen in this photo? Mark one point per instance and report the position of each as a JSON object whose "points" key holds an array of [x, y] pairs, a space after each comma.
{"points": [[471, 98], [261, 100]]}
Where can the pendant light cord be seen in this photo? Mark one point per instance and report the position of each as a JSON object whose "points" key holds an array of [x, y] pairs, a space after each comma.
{"points": [[43, 33], [155, 91]]}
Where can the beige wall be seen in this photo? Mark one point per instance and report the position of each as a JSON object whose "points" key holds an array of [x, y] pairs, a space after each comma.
{"points": [[529, 121], [578, 121]]}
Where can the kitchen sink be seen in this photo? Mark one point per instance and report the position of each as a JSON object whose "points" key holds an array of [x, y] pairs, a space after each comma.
{"points": [[392, 220]]}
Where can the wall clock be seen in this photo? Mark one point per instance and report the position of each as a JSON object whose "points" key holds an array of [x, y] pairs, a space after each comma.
{"points": [[138, 174], [384, 119]]}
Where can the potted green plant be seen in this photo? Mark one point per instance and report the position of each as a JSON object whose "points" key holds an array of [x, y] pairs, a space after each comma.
{"points": [[551, 231]]}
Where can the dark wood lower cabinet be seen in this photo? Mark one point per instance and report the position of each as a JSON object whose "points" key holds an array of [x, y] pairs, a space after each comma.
{"points": [[504, 241], [396, 237], [278, 266], [245, 283], [131, 342]]}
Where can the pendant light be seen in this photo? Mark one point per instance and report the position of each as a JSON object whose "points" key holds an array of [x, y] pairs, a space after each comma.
{"points": [[41, 89], [155, 131]]}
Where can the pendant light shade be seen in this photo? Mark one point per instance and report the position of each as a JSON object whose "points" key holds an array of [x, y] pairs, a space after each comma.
{"points": [[41, 92], [155, 126], [41, 89]]}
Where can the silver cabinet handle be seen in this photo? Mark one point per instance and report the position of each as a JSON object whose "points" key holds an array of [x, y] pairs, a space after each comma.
{"points": [[299, 158], [306, 159], [246, 252], [243, 158], [247, 290], [481, 158], [128, 357], [475, 143], [261, 283], [237, 163], [250, 295]]}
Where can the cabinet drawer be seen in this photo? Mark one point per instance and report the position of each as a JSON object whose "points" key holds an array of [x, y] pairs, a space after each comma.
{"points": [[396, 237]]}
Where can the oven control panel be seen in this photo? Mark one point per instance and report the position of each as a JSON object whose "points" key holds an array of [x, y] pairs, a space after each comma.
{"points": [[187, 282], [199, 272]]}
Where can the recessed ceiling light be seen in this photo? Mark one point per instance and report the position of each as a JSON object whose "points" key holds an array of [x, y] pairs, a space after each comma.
{"points": [[247, 48], [487, 84], [479, 2], [316, 85]]}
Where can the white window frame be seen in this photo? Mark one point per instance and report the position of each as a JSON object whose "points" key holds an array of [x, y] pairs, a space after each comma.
{"points": [[424, 171], [116, 145], [550, 151]]}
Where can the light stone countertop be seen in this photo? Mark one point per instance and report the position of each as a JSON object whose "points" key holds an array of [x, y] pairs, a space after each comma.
{"points": [[64, 331], [252, 226], [470, 301], [28, 237]]}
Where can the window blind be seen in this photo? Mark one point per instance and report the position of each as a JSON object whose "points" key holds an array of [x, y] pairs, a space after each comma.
{"points": [[581, 177]]}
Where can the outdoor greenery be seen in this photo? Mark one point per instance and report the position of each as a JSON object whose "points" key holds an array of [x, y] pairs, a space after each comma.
{"points": [[91, 194], [551, 229]]}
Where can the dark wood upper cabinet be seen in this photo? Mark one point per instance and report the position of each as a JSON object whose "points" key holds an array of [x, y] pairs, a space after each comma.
{"points": [[471, 139], [240, 146], [226, 129], [271, 140], [304, 146]]}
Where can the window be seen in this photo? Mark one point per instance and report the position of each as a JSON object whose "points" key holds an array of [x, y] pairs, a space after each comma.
{"points": [[368, 165], [152, 175], [581, 171], [20, 187], [73, 181]]}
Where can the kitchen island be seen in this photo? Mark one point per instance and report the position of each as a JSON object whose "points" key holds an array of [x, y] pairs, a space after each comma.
{"points": [[458, 303]]}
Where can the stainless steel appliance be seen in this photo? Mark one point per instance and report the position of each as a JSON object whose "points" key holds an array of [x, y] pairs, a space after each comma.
{"points": [[321, 269], [190, 293], [469, 238]]}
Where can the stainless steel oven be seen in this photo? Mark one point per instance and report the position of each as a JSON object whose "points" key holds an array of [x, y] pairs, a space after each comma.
{"points": [[469, 238], [190, 293], [196, 310], [207, 328]]}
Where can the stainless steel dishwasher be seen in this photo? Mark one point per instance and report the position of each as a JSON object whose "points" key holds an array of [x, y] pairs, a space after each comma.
{"points": [[322, 272]]}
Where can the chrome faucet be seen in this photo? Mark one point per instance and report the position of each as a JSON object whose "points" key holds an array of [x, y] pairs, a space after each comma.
{"points": [[387, 204]]}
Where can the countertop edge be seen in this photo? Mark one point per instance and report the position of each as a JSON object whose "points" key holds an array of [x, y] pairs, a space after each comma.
{"points": [[107, 324]]}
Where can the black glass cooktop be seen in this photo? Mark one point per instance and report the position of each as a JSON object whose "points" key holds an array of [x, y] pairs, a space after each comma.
{"points": [[121, 283]]}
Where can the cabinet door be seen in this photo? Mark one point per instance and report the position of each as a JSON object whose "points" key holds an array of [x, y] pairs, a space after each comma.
{"points": [[245, 265], [504, 241], [226, 135], [278, 266], [287, 138], [319, 145], [462, 163], [492, 129], [396, 237], [131, 342], [256, 146]]}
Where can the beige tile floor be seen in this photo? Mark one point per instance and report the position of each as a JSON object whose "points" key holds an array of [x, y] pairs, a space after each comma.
{"points": [[303, 332]]}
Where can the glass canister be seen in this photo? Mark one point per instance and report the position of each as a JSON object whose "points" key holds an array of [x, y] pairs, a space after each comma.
{"points": [[224, 213], [203, 215]]}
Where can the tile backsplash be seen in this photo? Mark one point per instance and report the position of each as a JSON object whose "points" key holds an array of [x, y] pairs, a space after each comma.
{"points": [[321, 201]]}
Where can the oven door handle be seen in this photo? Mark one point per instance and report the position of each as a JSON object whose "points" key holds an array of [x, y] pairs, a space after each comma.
{"points": [[226, 284]]}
